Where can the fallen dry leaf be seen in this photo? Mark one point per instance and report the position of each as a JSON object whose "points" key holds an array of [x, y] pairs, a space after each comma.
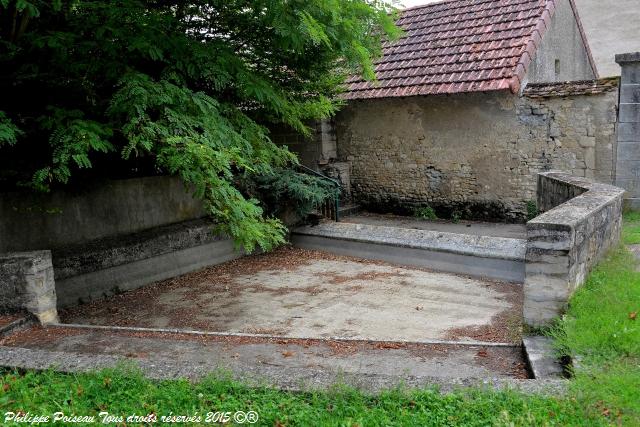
{"points": [[633, 315], [389, 345]]}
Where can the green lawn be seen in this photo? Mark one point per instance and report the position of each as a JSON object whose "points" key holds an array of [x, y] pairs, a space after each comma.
{"points": [[631, 230], [600, 328]]}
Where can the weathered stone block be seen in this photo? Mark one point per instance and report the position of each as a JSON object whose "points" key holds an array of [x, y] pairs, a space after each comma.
{"points": [[629, 132], [631, 185], [629, 113], [628, 58], [629, 93], [587, 141], [629, 150], [627, 169], [631, 72], [590, 157], [27, 283]]}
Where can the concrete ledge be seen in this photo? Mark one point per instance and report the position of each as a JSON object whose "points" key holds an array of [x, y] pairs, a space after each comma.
{"points": [[541, 358], [100, 254], [107, 266], [286, 378], [581, 221], [489, 257], [103, 283]]}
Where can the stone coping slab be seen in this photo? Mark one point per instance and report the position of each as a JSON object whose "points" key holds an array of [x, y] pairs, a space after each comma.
{"points": [[542, 357], [463, 244], [594, 196], [581, 221], [113, 251]]}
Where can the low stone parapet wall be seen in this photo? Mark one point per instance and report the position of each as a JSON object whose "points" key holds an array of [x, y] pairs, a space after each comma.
{"points": [[104, 267], [40, 282], [496, 258], [581, 220]]}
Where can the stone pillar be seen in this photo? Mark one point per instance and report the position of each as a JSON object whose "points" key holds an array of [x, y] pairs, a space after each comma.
{"points": [[327, 141], [628, 153], [27, 283]]}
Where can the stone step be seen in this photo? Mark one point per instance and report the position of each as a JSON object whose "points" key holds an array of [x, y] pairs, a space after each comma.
{"points": [[282, 362], [496, 258]]}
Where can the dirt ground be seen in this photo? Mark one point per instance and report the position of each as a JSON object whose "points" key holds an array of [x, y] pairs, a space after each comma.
{"points": [[300, 293]]}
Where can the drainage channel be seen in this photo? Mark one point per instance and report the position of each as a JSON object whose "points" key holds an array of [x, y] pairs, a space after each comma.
{"points": [[471, 343]]}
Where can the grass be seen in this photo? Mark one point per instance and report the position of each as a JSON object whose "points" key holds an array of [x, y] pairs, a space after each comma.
{"points": [[631, 229], [425, 212], [602, 331], [600, 328], [122, 392]]}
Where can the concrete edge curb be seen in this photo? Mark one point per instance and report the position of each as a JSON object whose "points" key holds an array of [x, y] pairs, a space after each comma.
{"points": [[541, 357], [387, 241], [291, 379], [10, 327], [267, 336]]}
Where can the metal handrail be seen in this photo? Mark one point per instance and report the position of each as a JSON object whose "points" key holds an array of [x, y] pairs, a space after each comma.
{"points": [[336, 201]]}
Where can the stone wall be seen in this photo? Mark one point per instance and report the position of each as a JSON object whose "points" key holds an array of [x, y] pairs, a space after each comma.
{"points": [[477, 154], [31, 221], [317, 151], [314, 150], [582, 221], [26, 283]]}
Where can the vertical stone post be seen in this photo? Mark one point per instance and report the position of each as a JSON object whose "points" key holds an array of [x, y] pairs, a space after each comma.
{"points": [[27, 283], [327, 141], [628, 153]]}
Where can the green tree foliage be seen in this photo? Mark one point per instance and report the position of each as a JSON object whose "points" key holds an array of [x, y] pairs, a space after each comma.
{"points": [[284, 188], [186, 88]]}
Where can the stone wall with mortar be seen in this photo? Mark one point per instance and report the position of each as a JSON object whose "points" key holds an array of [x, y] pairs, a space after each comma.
{"points": [[582, 220], [477, 154], [314, 150], [317, 151], [27, 283], [31, 221]]}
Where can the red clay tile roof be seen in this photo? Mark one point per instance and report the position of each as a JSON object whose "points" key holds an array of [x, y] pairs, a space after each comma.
{"points": [[458, 46]]}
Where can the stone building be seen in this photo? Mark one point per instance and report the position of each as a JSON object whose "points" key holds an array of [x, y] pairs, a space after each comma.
{"points": [[475, 99]]}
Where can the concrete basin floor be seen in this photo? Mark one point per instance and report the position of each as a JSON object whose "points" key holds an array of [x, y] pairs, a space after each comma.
{"points": [[300, 293]]}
